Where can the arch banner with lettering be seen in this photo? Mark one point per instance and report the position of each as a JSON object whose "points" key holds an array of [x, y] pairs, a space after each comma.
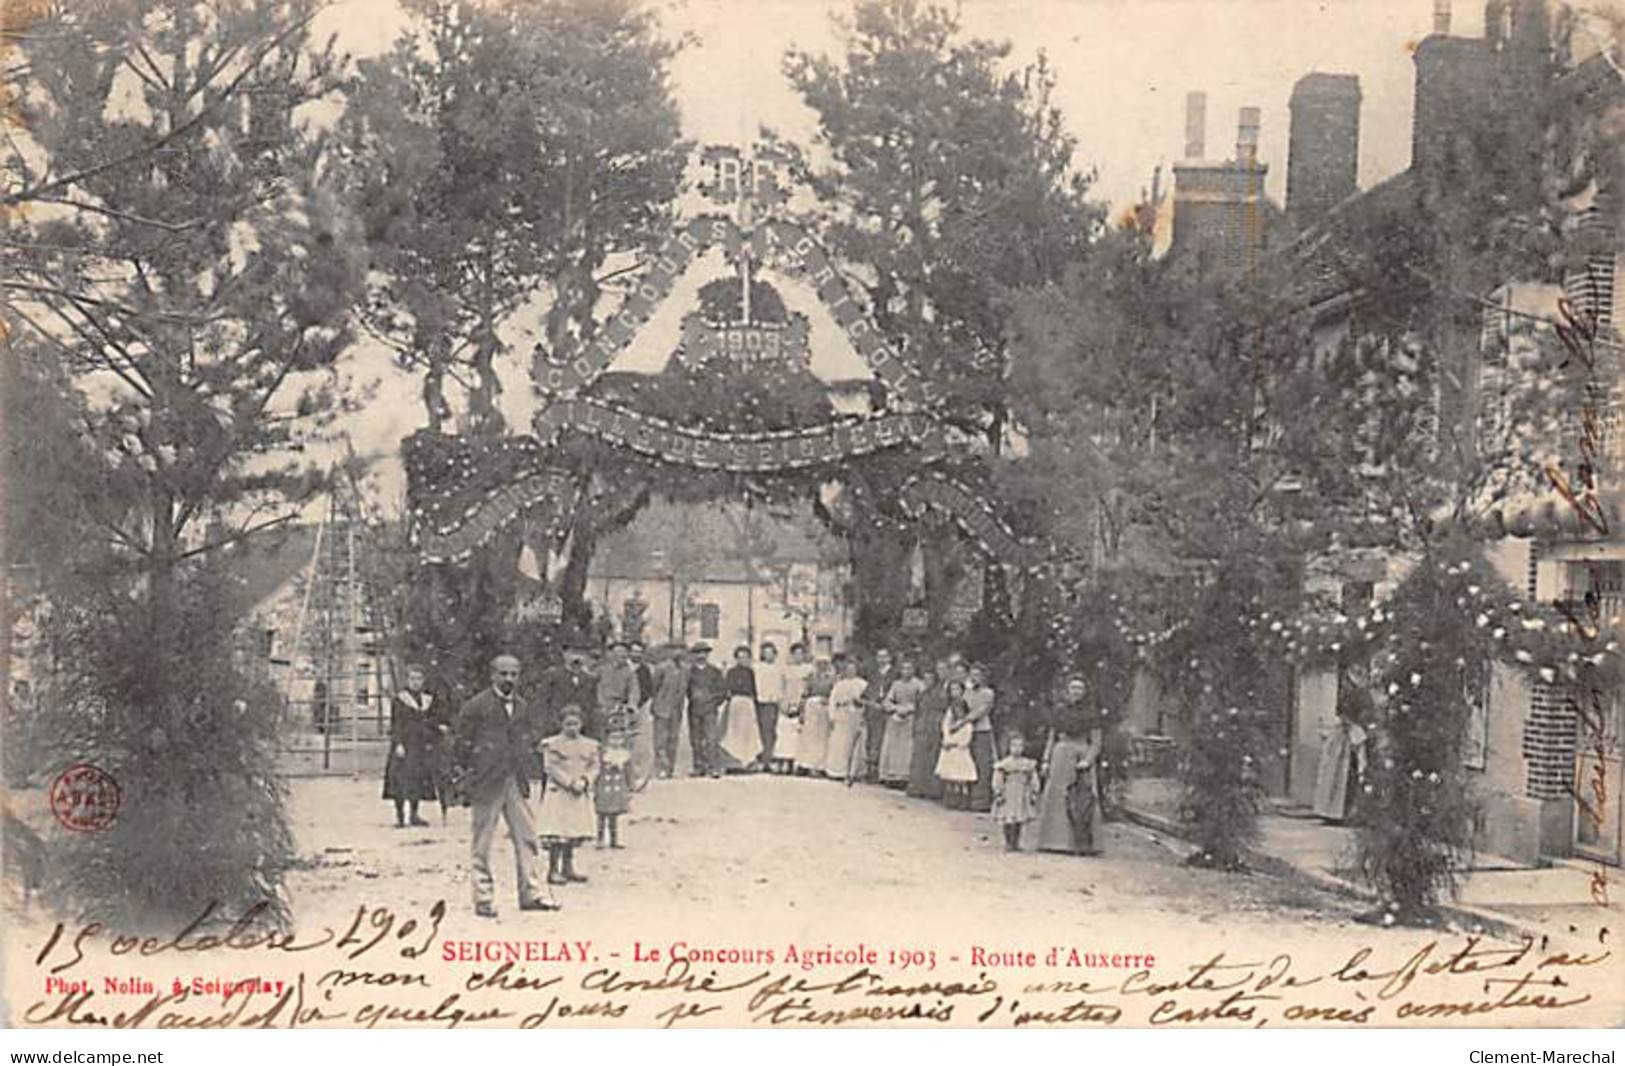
{"points": [[831, 442], [791, 246], [974, 516], [548, 495]]}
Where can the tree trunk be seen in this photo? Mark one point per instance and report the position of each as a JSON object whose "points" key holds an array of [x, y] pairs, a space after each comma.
{"points": [[434, 391], [484, 419], [162, 574], [573, 582], [944, 567], [880, 574]]}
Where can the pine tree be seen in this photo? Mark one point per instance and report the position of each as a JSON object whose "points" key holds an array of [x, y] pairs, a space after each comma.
{"points": [[188, 272], [442, 144], [513, 158], [953, 181]]}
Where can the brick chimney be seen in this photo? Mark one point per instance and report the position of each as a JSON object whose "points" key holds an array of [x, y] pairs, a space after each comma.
{"points": [[1220, 214], [1323, 153], [1459, 79], [1441, 17], [1195, 125]]}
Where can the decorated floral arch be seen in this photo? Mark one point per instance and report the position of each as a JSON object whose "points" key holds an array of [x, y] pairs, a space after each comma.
{"points": [[597, 451]]}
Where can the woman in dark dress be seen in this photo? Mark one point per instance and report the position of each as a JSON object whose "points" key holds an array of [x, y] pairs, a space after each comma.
{"points": [[928, 711], [414, 742], [1069, 808]]}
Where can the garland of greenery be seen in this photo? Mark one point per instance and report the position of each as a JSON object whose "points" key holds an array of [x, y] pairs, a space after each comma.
{"points": [[453, 482], [450, 480], [1450, 618], [1228, 690]]}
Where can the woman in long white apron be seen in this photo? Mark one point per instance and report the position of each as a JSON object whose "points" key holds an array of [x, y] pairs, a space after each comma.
{"points": [[845, 718], [741, 736]]}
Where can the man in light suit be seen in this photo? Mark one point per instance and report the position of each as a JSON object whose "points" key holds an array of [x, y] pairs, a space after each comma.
{"points": [[670, 690], [497, 743]]}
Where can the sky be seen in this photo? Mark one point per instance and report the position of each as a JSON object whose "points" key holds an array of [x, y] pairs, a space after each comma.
{"points": [[1123, 68]]}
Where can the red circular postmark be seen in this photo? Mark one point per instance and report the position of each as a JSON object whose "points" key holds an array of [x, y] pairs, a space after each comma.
{"points": [[85, 798]]}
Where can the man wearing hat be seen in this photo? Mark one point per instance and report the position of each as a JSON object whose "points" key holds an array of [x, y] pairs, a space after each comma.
{"points": [[670, 689], [643, 741], [637, 655], [617, 689], [707, 688], [567, 683]]}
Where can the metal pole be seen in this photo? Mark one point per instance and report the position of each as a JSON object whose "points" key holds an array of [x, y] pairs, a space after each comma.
{"points": [[327, 658], [304, 614], [744, 216], [352, 619]]}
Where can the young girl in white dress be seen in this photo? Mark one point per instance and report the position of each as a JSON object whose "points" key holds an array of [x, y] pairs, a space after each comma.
{"points": [[955, 766], [570, 761], [787, 746]]}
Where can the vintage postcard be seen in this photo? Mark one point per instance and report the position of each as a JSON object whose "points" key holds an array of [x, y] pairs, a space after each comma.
{"points": [[813, 514]]}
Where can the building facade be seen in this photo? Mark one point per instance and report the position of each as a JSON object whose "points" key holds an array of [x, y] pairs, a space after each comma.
{"points": [[726, 574], [1532, 747]]}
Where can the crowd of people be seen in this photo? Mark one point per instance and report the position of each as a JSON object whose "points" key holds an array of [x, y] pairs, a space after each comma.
{"points": [[595, 732]]}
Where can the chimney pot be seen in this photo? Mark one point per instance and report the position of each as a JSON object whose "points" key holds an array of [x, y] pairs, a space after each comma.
{"points": [[1195, 125], [1247, 135], [1441, 17]]}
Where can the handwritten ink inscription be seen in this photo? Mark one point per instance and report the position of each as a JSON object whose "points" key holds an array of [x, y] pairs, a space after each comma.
{"points": [[388, 969], [1579, 331]]}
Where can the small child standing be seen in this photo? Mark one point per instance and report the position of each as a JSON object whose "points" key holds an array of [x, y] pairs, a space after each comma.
{"points": [[571, 762], [612, 792], [1015, 790], [612, 797]]}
